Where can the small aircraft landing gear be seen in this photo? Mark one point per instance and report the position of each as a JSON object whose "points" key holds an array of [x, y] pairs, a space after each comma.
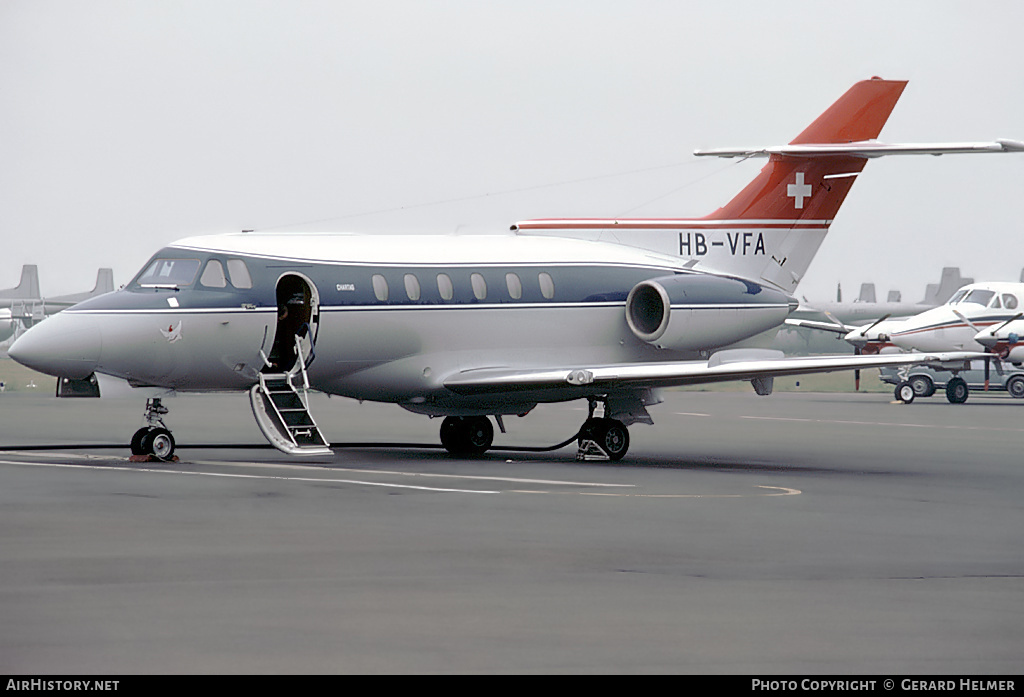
{"points": [[602, 438], [956, 390], [905, 392], [467, 435], [155, 438]]}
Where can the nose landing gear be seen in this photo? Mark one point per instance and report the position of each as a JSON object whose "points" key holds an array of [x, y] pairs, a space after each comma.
{"points": [[154, 439]]}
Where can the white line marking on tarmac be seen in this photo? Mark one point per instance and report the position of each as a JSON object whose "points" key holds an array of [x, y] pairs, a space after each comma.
{"points": [[438, 475], [781, 491], [319, 480], [277, 465], [883, 423], [778, 491]]}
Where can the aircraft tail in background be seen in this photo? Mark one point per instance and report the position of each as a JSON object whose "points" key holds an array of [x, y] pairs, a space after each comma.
{"points": [[27, 288]]}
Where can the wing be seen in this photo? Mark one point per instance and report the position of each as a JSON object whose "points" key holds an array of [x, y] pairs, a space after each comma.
{"points": [[733, 364]]}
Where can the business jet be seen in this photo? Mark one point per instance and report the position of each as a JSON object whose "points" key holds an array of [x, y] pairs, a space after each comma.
{"points": [[980, 317], [471, 328]]}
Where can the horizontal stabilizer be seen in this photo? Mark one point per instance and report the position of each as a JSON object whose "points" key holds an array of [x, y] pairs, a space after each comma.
{"points": [[865, 148]]}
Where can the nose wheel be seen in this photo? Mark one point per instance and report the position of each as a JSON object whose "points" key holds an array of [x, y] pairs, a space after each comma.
{"points": [[154, 439]]}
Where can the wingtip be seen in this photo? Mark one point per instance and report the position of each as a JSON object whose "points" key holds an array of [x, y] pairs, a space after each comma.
{"points": [[1011, 145]]}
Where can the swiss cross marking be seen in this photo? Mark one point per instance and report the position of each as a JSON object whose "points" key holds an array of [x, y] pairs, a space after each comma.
{"points": [[799, 191]]}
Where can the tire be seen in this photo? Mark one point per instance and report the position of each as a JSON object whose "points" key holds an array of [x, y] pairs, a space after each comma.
{"points": [[450, 433], [923, 385], [905, 392], [1015, 386], [479, 435], [136, 444], [467, 435], [159, 443], [956, 390], [613, 437]]}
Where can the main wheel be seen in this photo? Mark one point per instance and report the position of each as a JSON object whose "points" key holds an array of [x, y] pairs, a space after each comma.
{"points": [[158, 442], [136, 445], [905, 392], [956, 390], [467, 435], [923, 385], [613, 437], [479, 435], [450, 428], [1015, 386]]}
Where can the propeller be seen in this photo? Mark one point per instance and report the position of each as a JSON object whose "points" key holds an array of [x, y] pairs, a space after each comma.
{"points": [[856, 372], [970, 324], [990, 341], [991, 338], [858, 348], [874, 324]]}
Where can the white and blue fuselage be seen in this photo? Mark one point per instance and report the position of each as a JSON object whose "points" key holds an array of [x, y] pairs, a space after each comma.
{"points": [[392, 316]]}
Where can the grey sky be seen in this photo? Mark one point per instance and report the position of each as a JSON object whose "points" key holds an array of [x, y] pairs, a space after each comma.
{"points": [[127, 125]]}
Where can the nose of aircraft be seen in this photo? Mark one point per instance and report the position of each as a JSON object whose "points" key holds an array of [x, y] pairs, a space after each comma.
{"points": [[67, 344]]}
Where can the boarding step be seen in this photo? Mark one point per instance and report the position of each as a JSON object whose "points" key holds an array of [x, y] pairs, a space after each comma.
{"points": [[282, 414]]}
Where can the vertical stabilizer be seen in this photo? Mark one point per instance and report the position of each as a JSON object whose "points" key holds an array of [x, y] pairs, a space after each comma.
{"points": [[27, 288], [771, 230], [104, 282]]}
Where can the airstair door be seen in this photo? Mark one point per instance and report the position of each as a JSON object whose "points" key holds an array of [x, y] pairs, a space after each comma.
{"points": [[281, 406]]}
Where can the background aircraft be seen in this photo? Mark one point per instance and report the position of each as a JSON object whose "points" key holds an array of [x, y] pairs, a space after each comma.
{"points": [[17, 303], [472, 327], [865, 309], [23, 306], [976, 318]]}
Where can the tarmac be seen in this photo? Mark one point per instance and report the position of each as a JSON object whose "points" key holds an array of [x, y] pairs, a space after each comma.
{"points": [[792, 534]]}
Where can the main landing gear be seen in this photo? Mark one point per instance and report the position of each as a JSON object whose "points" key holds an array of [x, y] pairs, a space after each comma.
{"points": [[467, 435], [600, 438], [956, 390], [155, 438]]}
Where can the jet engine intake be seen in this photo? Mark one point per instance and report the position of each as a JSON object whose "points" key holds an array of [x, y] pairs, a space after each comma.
{"points": [[687, 312]]}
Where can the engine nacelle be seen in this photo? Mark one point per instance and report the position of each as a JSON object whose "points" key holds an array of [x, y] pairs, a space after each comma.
{"points": [[1015, 354], [689, 312]]}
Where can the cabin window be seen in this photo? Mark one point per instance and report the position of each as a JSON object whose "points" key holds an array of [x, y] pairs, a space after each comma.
{"points": [[412, 286], [1009, 301], [238, 272], [445, 287], [547, 285], [170, 272], [479, 286], [380, 287], [995, 304], [515, 286], [980, 297], [213, 275]]}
